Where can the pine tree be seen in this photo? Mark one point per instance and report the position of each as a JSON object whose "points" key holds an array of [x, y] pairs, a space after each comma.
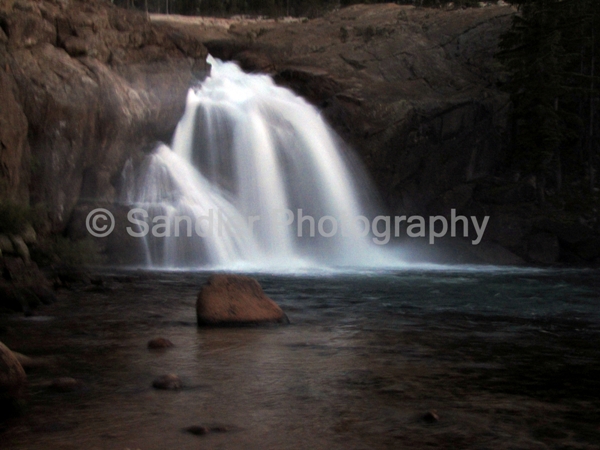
{"points": [[550, 63]]}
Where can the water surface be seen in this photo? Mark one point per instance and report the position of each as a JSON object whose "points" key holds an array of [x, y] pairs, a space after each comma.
{"points": [[508, 358]]}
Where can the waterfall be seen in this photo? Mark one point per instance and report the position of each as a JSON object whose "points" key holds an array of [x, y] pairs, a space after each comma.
{"points": [[247, 160]]}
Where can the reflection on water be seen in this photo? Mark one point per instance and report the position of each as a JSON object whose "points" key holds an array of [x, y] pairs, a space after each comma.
{"points": [[509, 359]]}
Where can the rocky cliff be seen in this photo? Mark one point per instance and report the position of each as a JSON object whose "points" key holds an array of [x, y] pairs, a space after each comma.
{"points": [[86, 85], [413, 90]]}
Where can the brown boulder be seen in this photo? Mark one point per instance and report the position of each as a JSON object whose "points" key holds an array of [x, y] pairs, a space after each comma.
{"points": [[159, 343], [12, 379], [169, 381], [236, 300]]}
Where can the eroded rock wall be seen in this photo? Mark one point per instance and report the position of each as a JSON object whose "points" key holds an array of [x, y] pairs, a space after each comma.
{"points": [[84, 86]]}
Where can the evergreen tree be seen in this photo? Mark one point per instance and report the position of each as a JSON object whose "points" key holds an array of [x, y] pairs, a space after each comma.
{"points": [[550, 53]]}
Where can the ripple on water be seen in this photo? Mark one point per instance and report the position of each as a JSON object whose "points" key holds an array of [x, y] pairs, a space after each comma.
{"points": [[500, 355]]}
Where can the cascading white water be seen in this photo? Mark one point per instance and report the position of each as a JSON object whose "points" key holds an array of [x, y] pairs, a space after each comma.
{"points": [[246, 148]]}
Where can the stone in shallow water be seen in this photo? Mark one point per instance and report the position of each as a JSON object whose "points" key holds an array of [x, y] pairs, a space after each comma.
{"points": [[159, 343], [200, 430], [167, 382], [431, 416], [236, 300]]}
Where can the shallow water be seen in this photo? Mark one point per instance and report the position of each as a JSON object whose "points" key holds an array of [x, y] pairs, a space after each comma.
{"points": [[508, 358]]}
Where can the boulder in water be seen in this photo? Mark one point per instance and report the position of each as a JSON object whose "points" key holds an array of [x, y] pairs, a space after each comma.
{"points": [[431, 416], [200, 430], [12, 380], [159, 343], [236, 300], [169, 381]]}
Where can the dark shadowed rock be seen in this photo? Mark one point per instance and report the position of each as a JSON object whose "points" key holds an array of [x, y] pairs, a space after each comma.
{"points": [[589, 249], [543, 248], [492, 253], [12, 379], [431, 416], [201, 430], [6, 245], [21, 248], [167, 382], [236, 300], [159, 343], [198, 430], [44, 293], [23, 286]]}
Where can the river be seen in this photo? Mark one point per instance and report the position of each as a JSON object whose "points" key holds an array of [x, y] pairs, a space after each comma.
{"points": [[506, 358]]}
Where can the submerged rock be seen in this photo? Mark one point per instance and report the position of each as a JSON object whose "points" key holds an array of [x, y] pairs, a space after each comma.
{"points": [[159, 343], [431, 416], [200, 430], [167, 382], [236, 300]]}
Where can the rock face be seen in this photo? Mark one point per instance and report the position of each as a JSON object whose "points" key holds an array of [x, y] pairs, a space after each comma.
{"points": [[236, 300], [412, 89], [415, 92], [23, 286], [84, 86], [14, 147], [12, 379]]}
